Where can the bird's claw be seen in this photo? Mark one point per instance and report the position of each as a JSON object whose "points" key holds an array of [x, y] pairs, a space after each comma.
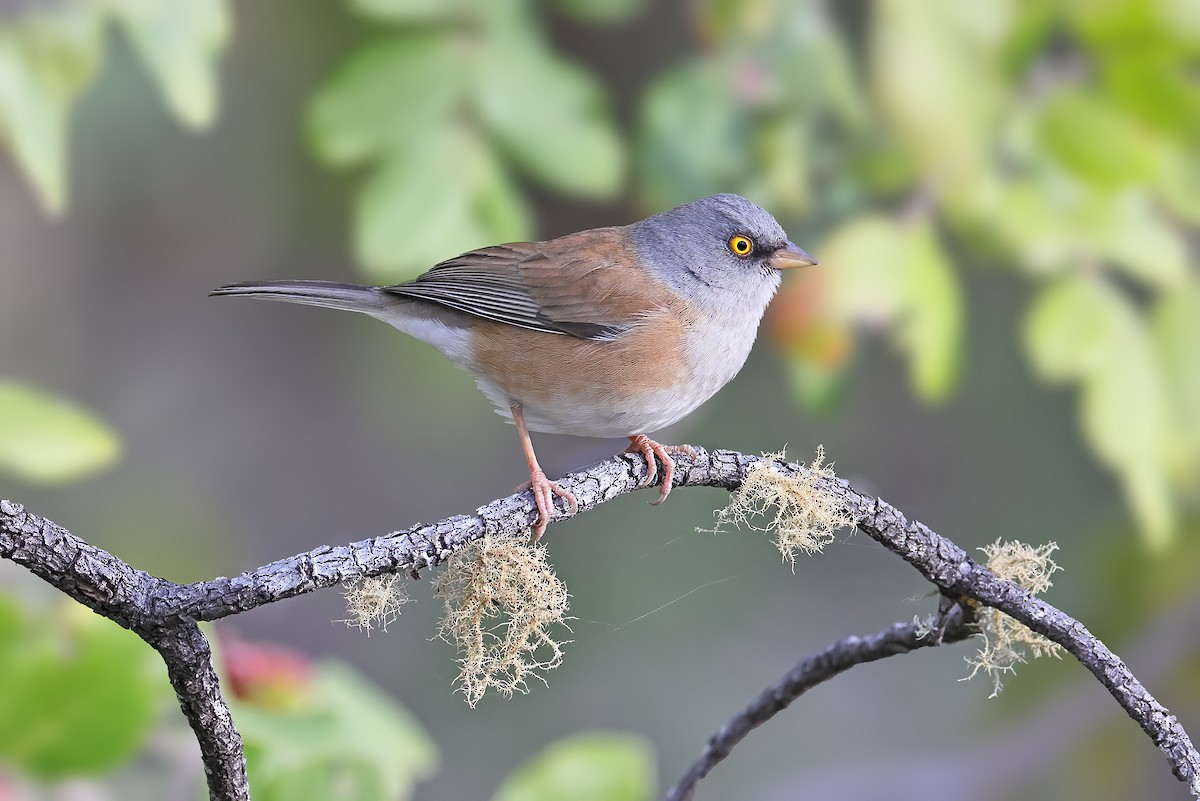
{"points": [[650, 449], [544, 491]]}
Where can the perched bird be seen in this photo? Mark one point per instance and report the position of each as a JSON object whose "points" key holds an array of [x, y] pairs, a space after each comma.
{"points": [[610, 332]]}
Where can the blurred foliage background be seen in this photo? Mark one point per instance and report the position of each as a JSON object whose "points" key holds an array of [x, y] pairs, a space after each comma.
{"points": [[1000, 339]]}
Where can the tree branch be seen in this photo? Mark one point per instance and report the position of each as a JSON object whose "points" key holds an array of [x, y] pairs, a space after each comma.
{"points": [[164, 613], [110, 587], [844, 654], [190, 669]]}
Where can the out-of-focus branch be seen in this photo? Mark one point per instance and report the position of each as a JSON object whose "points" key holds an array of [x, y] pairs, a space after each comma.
{"points": [[164, 613], [901, 638]]}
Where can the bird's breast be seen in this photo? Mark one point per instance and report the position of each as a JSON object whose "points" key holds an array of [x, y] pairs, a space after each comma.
{"points": [[717, 350], [647, 378]]}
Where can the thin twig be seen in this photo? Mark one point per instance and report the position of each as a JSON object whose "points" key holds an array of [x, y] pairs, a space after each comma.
{"points": [[901, 638]]}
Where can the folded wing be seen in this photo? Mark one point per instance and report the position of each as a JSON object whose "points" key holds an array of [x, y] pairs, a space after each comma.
{"points": [[575, 286]]}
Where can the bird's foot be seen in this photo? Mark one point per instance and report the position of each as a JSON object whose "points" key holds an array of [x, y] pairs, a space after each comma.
{"points": [[650, 449], [544, 491]]}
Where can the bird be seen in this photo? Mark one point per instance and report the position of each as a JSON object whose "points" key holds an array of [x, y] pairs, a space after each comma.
{"points": [[611, 332]]}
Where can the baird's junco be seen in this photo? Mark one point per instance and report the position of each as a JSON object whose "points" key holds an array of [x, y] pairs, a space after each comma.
{"points": [[611, 332]]}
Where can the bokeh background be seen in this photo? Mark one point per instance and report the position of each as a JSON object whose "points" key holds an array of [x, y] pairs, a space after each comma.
{"points": [[1000, 340]]}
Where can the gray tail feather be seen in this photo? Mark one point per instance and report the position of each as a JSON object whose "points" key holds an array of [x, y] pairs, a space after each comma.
{"points": [[330, 294]]}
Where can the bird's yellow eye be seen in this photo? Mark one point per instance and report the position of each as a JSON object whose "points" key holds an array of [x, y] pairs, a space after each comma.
{"points": [[741, 245]]}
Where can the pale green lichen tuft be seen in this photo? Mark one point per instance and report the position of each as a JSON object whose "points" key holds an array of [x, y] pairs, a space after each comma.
{"points": [[805, 517], [1007, 642], [374, 602], [502, 599]]}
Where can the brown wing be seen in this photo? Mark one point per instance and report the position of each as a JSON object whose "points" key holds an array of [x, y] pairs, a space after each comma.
{"points": [[578, 285]]}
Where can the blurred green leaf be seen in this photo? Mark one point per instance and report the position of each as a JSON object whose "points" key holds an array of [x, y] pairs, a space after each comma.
{"points": [[550, 117], [1033, 25], [1154, 85], [46, 59], [864, 260], [443, 182], [1096, 142], [727, 19], [602, 10], [443, 194], [1176, 331], [1178, 183], [179, 43], [832, 61], [1072, 327], [983, 24], [50, 52], [931, 329], [883, 273], [693, 136], [350, 741], [1054, 222], [1124, 420], [502, 212], [935, 68], [816, 385], [1115, 25], [80, 692], [1033, 218], [1135, 237], [382, 99], [885, 167], [1082, 329], [784, 142], [585, 767], [735, 120], [46, 439], [409, 10]]}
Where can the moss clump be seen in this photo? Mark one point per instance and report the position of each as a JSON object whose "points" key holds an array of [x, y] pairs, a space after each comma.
{"points": [[374, 602], [806, 518], [502, 599], [1008, 642]]}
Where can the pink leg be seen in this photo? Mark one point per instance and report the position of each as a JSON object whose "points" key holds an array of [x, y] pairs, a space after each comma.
{"points": [[543, 488], [648, 448]]}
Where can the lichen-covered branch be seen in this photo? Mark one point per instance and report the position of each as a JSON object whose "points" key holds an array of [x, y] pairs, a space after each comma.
{"points": [[155, 608], [957, 575], [190, 669], [112, 588]]}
